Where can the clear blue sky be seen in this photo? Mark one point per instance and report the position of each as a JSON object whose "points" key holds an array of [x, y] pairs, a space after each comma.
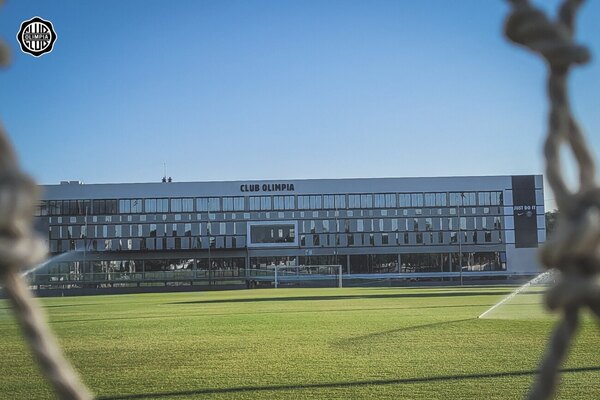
{"points": [[225, 89]]}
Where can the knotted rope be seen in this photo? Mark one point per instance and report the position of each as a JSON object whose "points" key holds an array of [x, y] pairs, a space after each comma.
{"points": [[20, 248], [574, 249]]}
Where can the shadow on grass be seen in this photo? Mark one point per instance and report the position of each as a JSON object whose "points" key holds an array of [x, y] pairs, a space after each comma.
{"points": [[249, 389], [356, 339], [347, 297], [235, 314]]}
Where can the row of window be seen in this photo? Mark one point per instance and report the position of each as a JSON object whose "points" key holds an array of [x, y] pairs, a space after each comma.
{"points": [[236, 266], [306, 226], [279, 236], [268, 203], [406, 238], [464, 211]]}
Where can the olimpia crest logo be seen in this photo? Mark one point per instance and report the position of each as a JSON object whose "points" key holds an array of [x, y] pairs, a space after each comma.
{"points": [[36, 36]]}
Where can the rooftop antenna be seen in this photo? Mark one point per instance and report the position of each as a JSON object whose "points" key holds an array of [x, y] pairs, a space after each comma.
{"points": [[164, 179]]}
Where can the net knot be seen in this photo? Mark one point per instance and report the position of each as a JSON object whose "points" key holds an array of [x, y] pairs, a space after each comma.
{"points": [[574, 249], [574, 292], [531, 28], [19, 246]]}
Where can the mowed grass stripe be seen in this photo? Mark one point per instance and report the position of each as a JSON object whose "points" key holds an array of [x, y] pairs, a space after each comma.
{"points": [[419, 343]]}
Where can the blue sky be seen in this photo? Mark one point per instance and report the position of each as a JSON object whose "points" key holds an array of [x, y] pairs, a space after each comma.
{"points": [[225, 89]]}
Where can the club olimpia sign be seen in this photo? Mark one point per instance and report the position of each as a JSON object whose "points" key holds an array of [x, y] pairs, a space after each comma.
{"points": [[267, 187]]}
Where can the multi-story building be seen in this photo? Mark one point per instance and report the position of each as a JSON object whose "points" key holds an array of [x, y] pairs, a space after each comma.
{"points": [[393, 227]]}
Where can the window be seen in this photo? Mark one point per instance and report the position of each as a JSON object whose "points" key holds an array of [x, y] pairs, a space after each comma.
{"points": [[272, 234], [150, 205], [354, 201], [187, 205], [238, 204], [228, 204], [303, 202], [340, 201], [328, 201], [440, 199], [315, 202], [289, 202], [428, 224], [214, 204], [265, 203], [497, 223], [278, 203], [162, 205], [136, 206], [390, 200], [404, 200], [175, 205], [429, 199], [202, 204], [366, 201], [416, 199]]}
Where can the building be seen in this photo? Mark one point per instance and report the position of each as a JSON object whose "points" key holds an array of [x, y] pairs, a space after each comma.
{"points": [[211, 232]]}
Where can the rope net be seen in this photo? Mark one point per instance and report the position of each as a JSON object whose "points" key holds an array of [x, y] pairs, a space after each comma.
{"points": [[573, 250]]}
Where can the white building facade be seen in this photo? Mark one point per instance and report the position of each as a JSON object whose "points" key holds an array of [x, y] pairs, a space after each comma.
{"points": [[480, 226]]}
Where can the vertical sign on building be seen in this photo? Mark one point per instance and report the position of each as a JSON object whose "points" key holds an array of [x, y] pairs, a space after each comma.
{"points": [[524, 211]]}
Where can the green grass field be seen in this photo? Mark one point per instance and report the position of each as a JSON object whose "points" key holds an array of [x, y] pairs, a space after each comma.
{"points": [[355, 343]]}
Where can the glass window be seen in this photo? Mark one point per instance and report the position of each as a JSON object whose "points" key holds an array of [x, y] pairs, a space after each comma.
{"points": [[99, 207], [379, 201], [278, 203], [429, 199], [228, 204], [202, 204], [440, 199], [366, 201], [254, 203], [187, 205], [497, 223], [340, 201], [238, 204], [328, 201], [162, 205], [315, 202], [277, 233], [428, 224], [303, 202], [150, 205], [289, 202], [390, 200], [136, 205], [124, 206], [416, 199], [265, 203], [214, 204], [175, 205], [405, 200], [354, 201]]}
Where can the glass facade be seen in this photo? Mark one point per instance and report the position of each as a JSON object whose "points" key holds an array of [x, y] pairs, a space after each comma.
{"points": [[368, 232]]}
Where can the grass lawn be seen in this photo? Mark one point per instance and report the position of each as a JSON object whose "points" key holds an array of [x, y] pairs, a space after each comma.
{"points": [[351, 343]]}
